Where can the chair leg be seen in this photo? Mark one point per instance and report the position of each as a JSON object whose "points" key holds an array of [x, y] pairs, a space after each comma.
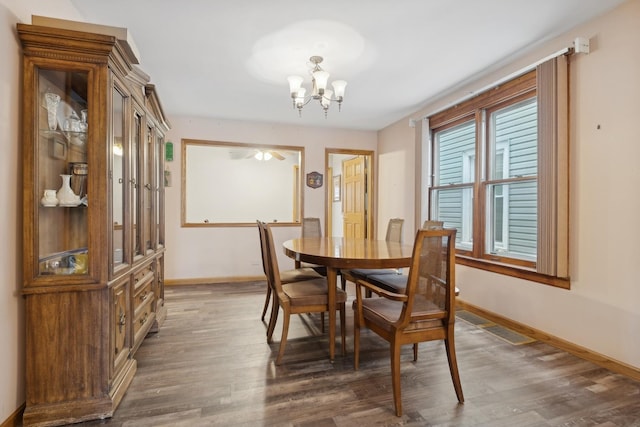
{"points": [[343, 327], [275, 307], [283, 339], [356, 340], [415, 351], [343, 282], [453, 364], [322, 322], [266, 301], [395, 377]]}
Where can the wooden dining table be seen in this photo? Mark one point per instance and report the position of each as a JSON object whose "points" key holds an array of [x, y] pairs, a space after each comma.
{"points": [[342, 253]]}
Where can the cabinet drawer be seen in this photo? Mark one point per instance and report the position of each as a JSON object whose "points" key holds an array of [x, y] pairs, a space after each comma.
{"points": [[146, 273], [143, 317], [143, 294]]}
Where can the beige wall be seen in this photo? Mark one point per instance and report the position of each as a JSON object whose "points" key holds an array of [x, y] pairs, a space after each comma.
{"points": [[601, 310], [396, 178], [194, 253]]}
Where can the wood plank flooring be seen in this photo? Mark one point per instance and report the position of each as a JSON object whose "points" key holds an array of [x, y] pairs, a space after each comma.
{"points": [[210, 365]]}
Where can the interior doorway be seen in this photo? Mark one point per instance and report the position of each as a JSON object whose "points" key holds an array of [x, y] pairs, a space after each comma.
{"points": [[349, 202]]}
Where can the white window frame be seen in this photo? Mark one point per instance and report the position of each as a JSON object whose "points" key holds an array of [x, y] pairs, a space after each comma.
{"points": [[468, 175], [500, 148]]}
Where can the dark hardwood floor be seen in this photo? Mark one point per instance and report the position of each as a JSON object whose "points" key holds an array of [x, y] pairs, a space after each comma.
{"points": [[210, 365]]}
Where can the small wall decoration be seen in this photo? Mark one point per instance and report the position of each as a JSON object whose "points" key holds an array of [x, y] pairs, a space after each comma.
{"points": [[337, 188], [314, 179], [168, 151]]}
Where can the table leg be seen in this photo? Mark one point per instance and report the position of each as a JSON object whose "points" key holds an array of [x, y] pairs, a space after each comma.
{"points": [[332, 282]]}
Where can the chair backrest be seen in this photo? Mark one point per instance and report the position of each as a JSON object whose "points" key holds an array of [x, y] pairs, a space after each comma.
{"points": [[433, 225], [263, 250], [394, 230], [431, 282], [273, 271], [311, 227]]}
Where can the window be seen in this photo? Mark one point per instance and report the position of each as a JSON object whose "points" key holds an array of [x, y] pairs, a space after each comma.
{"points": [[498, 175], [454, 200], [511, 189]]}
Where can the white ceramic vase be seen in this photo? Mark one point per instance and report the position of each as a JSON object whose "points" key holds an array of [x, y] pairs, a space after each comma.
{"points": [[66, 196], [49, 198]]}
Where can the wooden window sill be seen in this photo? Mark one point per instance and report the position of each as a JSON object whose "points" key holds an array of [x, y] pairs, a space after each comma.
{"points": [[513, 271]]}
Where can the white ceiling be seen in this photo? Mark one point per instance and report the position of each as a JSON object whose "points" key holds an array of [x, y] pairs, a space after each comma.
{"points": [[230, 58]]}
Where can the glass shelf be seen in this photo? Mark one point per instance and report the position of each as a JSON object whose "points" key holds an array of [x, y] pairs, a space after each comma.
{"points": [[82, 204], [68, 262], [75, 138]]}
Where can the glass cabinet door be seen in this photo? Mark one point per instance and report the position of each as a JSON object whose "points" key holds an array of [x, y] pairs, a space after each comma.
{"points": [[61, 172], [148, 190], [118, 192], [159, 187], [135, 187]]}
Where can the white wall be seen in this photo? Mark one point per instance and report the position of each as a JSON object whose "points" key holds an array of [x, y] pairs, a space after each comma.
{"points": [[601, 310], [12, 356], [214, 252]]}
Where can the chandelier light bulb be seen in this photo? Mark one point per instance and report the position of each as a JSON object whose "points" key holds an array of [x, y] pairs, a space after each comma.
{"points": [[326, 99], [321, 78], [299, 99], [338, 88], [294, 84]]}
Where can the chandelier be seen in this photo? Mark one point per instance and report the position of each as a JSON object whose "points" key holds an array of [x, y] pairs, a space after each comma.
{"points": [[319, 91]]}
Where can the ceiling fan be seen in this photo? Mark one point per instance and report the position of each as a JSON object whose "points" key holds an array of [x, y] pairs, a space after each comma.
{"points": [[267, 155], [257, 153]]}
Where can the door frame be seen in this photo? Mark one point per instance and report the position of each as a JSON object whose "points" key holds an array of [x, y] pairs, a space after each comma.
{"points": [[371, 187]]}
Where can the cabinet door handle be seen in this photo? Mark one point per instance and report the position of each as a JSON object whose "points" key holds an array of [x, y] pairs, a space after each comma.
{"points": [[122, 321]]}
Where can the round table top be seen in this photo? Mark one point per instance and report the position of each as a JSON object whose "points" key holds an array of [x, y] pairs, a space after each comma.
{"points": [[344, 252]]}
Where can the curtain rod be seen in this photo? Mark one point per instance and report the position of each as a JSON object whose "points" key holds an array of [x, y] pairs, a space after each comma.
{"points": [[500, 81]]}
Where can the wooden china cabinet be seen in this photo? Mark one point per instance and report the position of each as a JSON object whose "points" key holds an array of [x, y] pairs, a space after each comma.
{"points": [[93, 145]]}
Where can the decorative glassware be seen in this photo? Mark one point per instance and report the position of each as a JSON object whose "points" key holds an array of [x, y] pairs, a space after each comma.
{"points": [[72, 123], [78, 172], [83, 120], [52, 101]]}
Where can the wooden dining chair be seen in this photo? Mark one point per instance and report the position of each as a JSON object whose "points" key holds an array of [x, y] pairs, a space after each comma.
{"points": [[286, 276], [394, 234], [398, 282], [309, 296], [432, 225], [311, 228], [425, 311]]}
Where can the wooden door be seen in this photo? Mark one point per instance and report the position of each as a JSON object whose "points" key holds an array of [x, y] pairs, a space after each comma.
{"points": [[354, 175]]}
